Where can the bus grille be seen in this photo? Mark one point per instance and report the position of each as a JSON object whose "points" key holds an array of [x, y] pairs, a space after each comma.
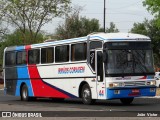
{"points": [[137, 83]]}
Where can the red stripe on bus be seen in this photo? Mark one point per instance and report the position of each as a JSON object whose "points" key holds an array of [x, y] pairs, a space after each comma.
{"points": [[39, 88]]}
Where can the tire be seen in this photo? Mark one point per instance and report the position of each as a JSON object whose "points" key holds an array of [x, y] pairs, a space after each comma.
{"points": [[126, 101], [24, 93], [87, 95]]}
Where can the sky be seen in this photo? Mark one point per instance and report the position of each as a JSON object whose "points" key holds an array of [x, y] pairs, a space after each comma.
{"points": [[124, 13]]}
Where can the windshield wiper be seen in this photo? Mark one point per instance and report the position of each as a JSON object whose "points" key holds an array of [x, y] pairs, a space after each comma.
{"points": [[139, 59], [124, 62]]}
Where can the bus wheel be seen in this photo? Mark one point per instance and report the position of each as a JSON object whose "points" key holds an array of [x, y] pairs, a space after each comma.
{"points": [[24, 93], [87, 95], [126, 101]]}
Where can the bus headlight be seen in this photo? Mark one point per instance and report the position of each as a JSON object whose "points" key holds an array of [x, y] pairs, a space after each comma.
{"points": [[151, 83], [116, 85]]}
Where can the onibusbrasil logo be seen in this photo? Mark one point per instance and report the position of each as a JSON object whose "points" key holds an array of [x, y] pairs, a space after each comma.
{"points": [[21, 114]]}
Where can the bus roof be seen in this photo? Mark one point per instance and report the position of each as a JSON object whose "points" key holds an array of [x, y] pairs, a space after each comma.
{"points": [[106, 37], [121, 36]]}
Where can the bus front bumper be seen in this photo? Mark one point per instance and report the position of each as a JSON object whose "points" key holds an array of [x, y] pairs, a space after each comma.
{"points": [[130, 92]]}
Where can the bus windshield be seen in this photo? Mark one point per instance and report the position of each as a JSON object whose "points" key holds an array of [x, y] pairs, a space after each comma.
{"points": [[129, 62]]}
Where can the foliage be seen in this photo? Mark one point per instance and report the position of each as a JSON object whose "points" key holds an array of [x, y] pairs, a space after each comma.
{"points": [[16, 39], [112, 28], [150, 29], [32, 14], [76, 26], [154, 7], [139, 28]]}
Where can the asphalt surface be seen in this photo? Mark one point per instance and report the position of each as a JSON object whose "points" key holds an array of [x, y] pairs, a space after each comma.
{"points": [[75, 108]]}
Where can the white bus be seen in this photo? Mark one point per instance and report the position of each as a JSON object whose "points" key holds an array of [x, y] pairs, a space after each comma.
{"points": [[98, 66]]}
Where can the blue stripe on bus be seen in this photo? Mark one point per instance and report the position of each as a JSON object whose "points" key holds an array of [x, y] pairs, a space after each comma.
{"points": [[150, 77], [60, 41], [22, 72], [70, 40], [76, 40], [124, 93], [94, 37], [20, 48]]}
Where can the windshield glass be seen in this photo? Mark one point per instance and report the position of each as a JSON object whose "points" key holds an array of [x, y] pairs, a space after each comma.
{"points": [[129, 62]]}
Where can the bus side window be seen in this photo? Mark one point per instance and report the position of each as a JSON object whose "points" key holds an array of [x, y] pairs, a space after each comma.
{"points": [[78, 51], [33, 56], [62, 53], [10, 58], [21, 58], [47, 55], [95, 44]]}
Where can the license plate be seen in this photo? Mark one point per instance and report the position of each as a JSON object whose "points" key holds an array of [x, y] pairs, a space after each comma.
{"points": [[135, 91]]}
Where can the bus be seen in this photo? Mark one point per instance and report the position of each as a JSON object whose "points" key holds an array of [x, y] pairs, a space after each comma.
{"points": [[98, 66]]}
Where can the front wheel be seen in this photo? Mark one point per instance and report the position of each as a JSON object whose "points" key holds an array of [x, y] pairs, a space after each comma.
{"points": [[87, 95], [126, 101]]}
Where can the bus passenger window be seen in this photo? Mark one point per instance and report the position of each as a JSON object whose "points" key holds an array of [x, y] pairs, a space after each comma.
{"points": [[95, 44], [62, 53], [10, 58], [33, 56], [21, 58], [79, 51], [47, 55]]}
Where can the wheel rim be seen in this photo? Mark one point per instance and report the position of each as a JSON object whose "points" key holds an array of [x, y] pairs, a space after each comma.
{"points": [[86, 94], [25, 93]]}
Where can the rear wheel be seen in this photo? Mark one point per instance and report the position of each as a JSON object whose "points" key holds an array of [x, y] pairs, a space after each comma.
{"points": [[126, 101], [87, 95], [24, 93]]}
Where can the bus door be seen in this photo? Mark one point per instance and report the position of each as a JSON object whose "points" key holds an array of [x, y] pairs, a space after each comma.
{"points": [[100, 81]]}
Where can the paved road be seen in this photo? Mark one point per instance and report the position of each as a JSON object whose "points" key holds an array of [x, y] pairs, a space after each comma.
{"points": [[12, 103]]}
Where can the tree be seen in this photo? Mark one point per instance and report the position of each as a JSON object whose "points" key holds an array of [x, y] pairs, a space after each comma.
{"points": [[139, 28], [3, 28], [112, 28], [76, 26], [15, 38], [150, 29], [32, 14], [154, 7]]}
